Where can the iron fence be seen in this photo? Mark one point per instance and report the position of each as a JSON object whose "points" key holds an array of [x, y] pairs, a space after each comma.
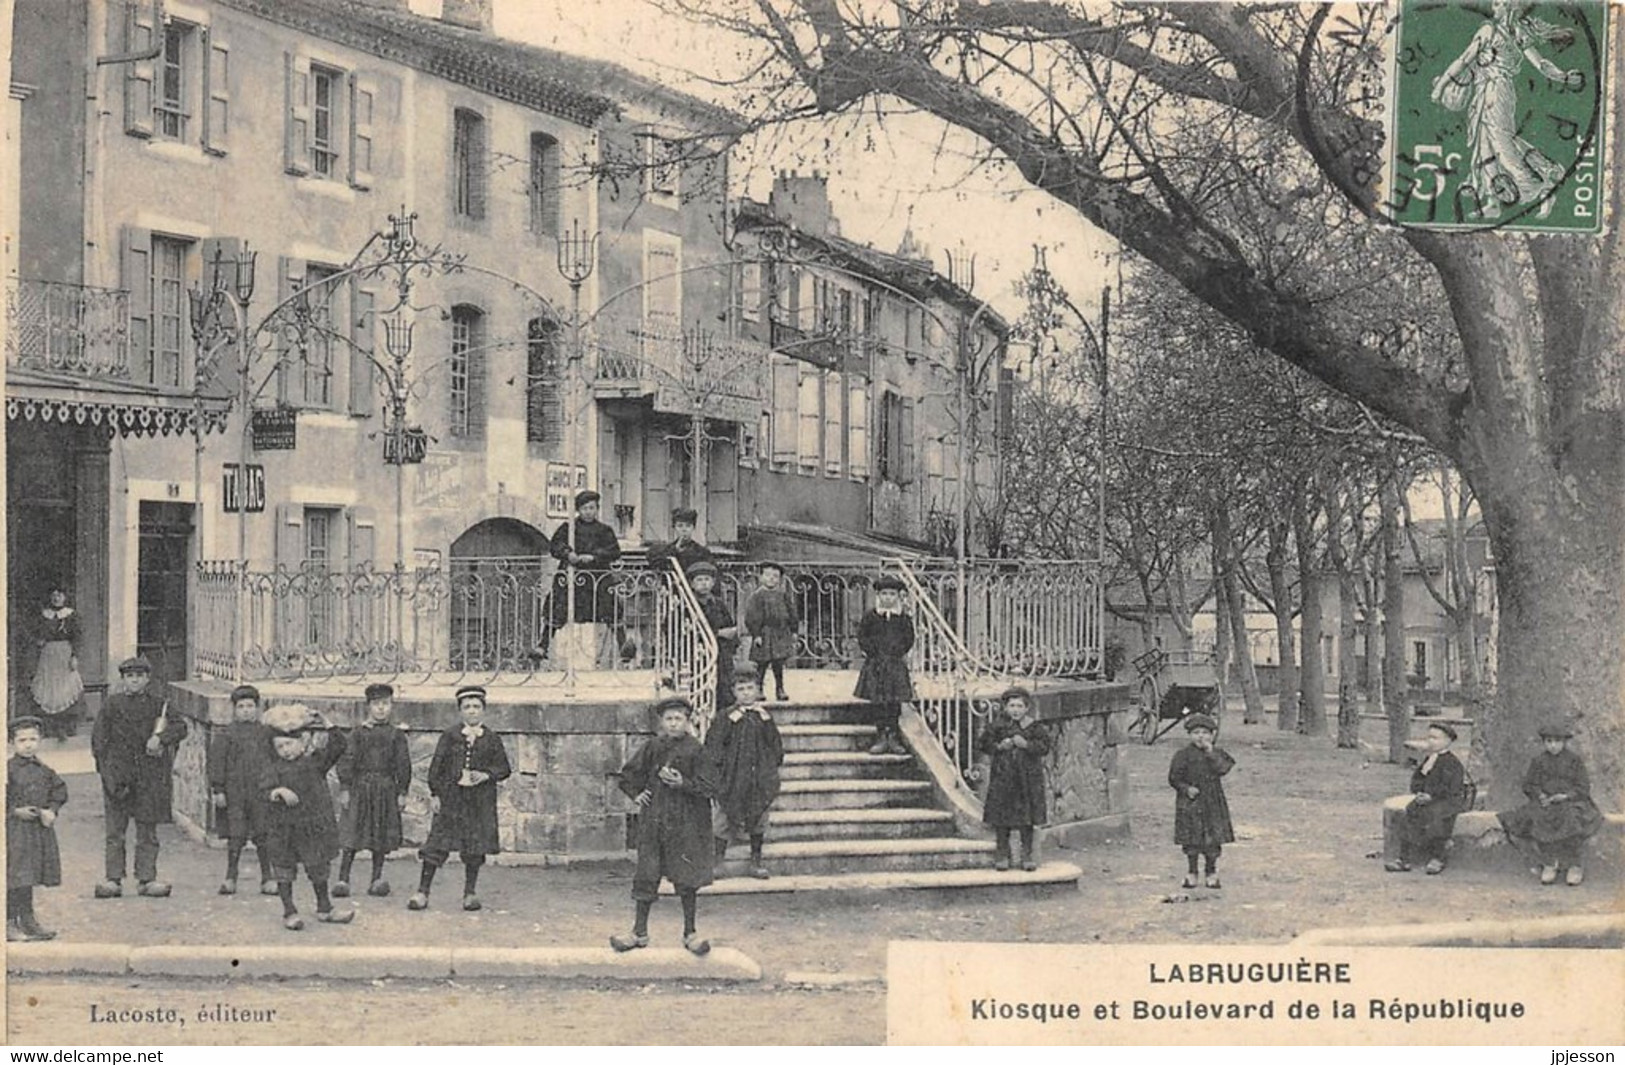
{"points": [[73, 329]]}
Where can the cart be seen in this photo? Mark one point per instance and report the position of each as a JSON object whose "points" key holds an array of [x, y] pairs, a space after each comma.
{"points": [[1173, 686]]}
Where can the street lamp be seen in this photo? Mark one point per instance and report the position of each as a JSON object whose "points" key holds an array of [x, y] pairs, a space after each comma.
{"points": [[577, 256]]}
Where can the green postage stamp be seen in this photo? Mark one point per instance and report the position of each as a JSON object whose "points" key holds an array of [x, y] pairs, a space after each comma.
{"points": [[1497, 116]]}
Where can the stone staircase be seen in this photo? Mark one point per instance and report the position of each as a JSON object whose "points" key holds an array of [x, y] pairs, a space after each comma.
{"points": [[848, 820]]}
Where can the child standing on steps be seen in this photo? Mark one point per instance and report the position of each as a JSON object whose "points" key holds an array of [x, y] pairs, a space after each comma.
{"points": [[1201, 813], [237, 756], [299, 821], [771, 618], [746, 750], [374, 777], [885, 636], [1016, 799], [1559, 816], [669, 778], [468, 764], [35, 794], [703, 576]]}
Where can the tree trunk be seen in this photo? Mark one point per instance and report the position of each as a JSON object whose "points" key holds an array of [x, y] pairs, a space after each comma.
{"points": [[1375, 694], [1313, 676], [1396, 698], [1252, 699], [1286, 701], [1348, 706], [1221, 623]]}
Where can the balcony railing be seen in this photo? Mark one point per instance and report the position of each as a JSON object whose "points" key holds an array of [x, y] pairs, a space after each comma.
{"points": [[688, 371], [71, 329]]}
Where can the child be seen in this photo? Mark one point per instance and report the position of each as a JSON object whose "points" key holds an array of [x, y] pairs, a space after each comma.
{"points": [[682, 548], [374, 776], [1015, 799], [1439, 787], [1201, 814], [704, 579], [299, 821], [468, 764], [745, 751], [237, 754], [772, 619], [34, 796], [669, 779], [134, 742], [885, 636], [1559, 815]]}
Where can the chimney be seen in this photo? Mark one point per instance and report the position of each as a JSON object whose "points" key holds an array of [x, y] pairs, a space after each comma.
{"points": [[803, 202], [469, 14]]}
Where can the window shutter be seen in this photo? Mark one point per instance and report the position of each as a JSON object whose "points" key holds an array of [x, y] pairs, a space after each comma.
{"points": [[834, 431], [296, 124], [785, 385], [363, 100], [809, 400], [857, 421], [905, 443], [135, 274], [290, 370], [362, 536], [288, 545], [363, 343], [140, 34], [216, 91], [657, 501]]}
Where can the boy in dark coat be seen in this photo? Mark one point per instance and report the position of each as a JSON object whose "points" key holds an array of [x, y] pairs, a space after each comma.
{"points": [[1439, 793], [1016, 798], [771, 617], [1559, 816], [237, 754], [35, 794], [682, 547], [594, 549], [717, 615], [669, 778], [134, 743], [1201, 812], [468, 764], [374, 777], [885, 636], [299, 821], [746, 750]]}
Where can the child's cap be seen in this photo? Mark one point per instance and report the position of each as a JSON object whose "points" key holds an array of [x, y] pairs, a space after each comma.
{"points": [[470, 691], [702, 569], [1444, 728], [288, 719], [17, 724], [1196, 721], [685, 516], [769, 564], [1556, 730], [585, 496], [135, 664], [244, 691], [1017, 693], [888, 583], [375, 692], [674, 702]]}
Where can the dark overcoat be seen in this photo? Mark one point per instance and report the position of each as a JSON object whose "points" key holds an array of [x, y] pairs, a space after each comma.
{"points": [[746, 756], [306, 833], [119, 744], [687, 554], [32, 857], [237, 755], [1204, 821], [467, 819], [1016, 795], [719, 617], [885, 640], [674, 830], [376, 771], [594, 587], [771, 618], [1445, 784], [1563, 773]]}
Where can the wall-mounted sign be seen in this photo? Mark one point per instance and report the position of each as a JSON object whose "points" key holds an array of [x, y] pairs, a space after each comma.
{"points": [[415, 444], [234, 486], [563, 482], [275, 429]]}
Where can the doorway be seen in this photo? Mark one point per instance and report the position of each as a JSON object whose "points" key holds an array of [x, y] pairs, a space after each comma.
{"points": [[163, 565]]}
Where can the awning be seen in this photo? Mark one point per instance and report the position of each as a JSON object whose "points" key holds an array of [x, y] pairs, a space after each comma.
{"points": [[124, 408]]}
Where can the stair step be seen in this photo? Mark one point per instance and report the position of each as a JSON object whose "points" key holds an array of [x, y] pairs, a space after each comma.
{"points": [[829, 856], [847, 765], [1050, 879], [849, 794], [809, 738], [892, 822], [856, 712], [874, 816]]}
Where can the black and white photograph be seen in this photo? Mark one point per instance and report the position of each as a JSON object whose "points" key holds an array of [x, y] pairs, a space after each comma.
{"points": [[848, 522]]}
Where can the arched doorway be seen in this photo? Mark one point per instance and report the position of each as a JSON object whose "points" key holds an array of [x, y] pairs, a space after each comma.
{"points": [[498, 589]]}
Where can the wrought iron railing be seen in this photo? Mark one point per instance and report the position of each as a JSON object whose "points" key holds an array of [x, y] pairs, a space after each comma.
{"points": [[686, 646], [688, 368], [72, 329], [1027, 618]]}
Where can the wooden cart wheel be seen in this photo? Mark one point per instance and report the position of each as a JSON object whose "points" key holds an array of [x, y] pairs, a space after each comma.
{"points": [[1151, 700]]}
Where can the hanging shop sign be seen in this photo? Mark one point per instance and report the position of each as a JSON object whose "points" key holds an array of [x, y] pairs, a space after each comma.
{"points": [[236, 489], [413, 446], [564, 480], [275, 429]]}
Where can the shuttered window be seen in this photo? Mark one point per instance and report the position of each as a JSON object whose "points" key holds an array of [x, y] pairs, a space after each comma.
{"points": [[810, 418], [466, 367], [468, 164]]}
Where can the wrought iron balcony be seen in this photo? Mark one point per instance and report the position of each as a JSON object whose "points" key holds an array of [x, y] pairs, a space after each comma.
{"points": [[688, 371], [71, 329]]}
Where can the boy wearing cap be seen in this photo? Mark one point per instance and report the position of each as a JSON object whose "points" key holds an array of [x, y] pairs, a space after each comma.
{"points": [[746, 752], [374, 777], [468, 764], [299, 821], [771, 618], [670, 780], [1201, 812], [133, 743], [1015, 745], [35, 794], [703, 577], [1559, 816], [592, 551], [885, 636], [682, 547], [1439, 793], [237, 754]]}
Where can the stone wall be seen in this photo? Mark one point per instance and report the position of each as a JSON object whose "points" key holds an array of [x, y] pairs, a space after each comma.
{"points": [[1088, 789]]}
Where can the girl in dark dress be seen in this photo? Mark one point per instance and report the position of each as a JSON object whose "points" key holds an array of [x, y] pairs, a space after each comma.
{"points": [[1559, 816], [237, 756], [1439, 793], [1201, 813], [771, 618], [885, 636], [34, 797], [299, 820], [1016, 799], [374, 777], [57, 686], [670, 780], [468, 764]]}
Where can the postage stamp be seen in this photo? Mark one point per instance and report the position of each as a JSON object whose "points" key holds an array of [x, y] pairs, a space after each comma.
{"points": [[1497, 116]]}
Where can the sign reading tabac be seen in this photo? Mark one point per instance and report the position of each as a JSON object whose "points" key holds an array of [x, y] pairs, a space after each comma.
{"points": [[1498, 116]]}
